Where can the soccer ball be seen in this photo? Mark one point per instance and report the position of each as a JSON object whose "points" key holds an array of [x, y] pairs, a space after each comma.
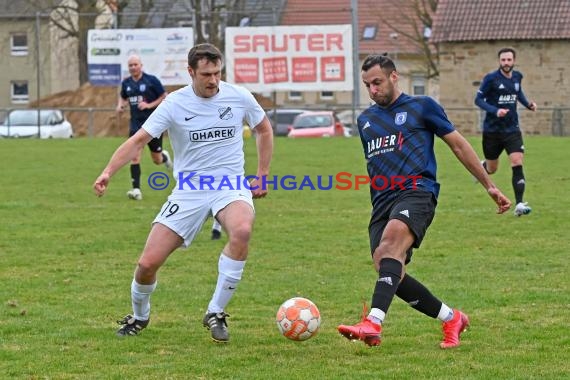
{"points": [[298, 319]]}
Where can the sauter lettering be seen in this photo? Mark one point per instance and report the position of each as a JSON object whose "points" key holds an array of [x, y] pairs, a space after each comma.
{"points": [[296, 42]]}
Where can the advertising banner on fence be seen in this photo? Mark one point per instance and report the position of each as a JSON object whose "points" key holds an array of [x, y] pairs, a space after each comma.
{"points": [[290, 58], [164, 53]]}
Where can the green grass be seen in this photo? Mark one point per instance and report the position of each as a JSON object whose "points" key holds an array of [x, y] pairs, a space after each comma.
{"points": [[67, 260]]}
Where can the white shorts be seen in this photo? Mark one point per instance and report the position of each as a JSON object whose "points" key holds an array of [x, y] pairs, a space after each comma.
{"points": [[185, 213]]}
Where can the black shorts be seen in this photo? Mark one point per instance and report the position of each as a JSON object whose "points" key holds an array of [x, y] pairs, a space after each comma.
{"points": [[413, 207], [494, 143], [155, 145]]}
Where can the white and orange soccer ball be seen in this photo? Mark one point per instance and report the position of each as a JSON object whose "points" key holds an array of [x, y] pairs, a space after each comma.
{"points": [[298, 319]]}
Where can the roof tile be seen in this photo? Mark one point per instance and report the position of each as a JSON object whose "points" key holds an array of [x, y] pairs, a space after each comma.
{"points": [[468, 20]]}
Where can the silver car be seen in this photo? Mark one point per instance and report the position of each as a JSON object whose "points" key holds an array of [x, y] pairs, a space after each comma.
{"points": [[23, 123], [282, 119]]}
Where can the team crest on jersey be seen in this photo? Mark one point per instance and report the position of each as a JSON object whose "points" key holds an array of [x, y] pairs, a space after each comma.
{"points": [[400, 118], [225, 113], [517, 86], [142, 87]]}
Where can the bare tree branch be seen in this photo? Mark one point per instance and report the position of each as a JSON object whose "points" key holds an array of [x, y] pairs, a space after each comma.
{"points": [[415, 18]]}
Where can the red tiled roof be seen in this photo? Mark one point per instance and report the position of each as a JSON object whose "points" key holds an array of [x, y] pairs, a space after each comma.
{"points": [[370, 12], [468, 20]]}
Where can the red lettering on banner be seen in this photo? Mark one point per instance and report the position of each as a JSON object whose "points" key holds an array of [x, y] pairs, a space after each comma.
{"points": [[288, 42], [246, 70], [275, 70], [304, 69]]}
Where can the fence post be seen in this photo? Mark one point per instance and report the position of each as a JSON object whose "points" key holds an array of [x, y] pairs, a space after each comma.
{"points": [[557, 125], [90, 122]]}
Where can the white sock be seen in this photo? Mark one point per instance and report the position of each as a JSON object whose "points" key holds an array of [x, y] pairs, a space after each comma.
{"points": [[229, 275], [140, 296], [445, 313], [376, 315]]}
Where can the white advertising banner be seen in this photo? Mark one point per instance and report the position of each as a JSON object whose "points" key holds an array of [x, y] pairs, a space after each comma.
{"points": [[290, 58], [164, 54]]}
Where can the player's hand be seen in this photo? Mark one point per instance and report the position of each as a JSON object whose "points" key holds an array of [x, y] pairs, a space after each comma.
{"points": [[503, 203], [532, 106], [119, 109], [258, 188], [502, 112], [142, 105], [100, 185]]}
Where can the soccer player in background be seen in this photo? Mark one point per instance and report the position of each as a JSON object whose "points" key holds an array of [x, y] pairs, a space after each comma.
{"points": [[143, 93], [498, 95], [397, 135], [205, 126], [216, 230]]}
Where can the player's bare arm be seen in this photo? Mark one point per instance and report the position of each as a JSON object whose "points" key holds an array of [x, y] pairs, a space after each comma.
{"points": [[264, 141], [467, 156], [121, 104], [123, 155]]}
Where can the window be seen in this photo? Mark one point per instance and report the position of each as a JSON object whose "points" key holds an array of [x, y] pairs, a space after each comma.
{"points": [[327, 95], [295, 95], [19, 44], [369, 32], [418, 85], [19, 91]]}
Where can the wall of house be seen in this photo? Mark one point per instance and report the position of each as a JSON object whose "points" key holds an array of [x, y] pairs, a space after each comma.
{"points": [[25, 67], [544, 65]]}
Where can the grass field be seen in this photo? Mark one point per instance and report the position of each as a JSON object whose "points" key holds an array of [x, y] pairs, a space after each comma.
{"points": [[67, 260]]}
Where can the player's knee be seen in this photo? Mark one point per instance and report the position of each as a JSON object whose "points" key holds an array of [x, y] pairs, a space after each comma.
{"points": [[146, 269], [240, 234]]}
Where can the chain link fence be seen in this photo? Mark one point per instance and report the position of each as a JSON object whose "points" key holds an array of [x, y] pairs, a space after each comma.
{"points": [[100, 122]]}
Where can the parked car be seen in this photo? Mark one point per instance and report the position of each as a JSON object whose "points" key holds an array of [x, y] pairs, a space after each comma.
{"points": [[348, 118], [282, 119], [23, 123], [317, 124]]}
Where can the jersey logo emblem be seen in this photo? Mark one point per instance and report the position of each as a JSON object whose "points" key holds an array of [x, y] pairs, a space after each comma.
{"points": [[225, 113], [367, 125], [501, 86], [142, 87], [400, 118], [406, 213]]}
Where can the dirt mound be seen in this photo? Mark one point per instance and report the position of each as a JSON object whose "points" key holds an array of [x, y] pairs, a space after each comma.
{"points": [[91, 109]]}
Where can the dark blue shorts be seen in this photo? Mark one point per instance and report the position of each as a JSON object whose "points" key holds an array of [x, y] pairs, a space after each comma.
{"points": [[416, 208], [495, 143], [155, 145]]}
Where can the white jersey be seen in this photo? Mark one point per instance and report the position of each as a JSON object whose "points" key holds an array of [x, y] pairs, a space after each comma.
{"points": [[206, 134]]}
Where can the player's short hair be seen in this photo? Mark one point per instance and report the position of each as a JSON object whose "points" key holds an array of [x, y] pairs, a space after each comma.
{"points": [[201, 51], [382, 60], [507, 50]]}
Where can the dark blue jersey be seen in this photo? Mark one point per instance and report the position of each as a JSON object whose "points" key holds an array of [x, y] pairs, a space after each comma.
{"points": [[148, 88], [398, 145], [498, 91]]}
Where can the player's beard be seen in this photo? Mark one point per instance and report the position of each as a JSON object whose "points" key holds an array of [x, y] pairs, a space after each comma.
{"points": [[386, 98], [506, 68]]}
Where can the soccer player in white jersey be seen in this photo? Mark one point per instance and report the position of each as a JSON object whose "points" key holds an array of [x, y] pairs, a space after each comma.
{"points": [[204, 122]]}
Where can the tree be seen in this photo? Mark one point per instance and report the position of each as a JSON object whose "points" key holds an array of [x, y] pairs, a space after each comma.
{"points": [[73, 19], [213, 16], [414, 22]]}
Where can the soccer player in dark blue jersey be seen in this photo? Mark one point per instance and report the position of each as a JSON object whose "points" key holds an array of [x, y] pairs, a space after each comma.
{"points": [[143, 93], [397, 134], [498, 96]]}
